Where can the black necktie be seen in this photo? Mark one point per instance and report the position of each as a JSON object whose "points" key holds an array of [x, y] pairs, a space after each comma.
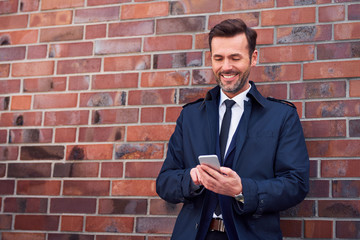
{"points": [[225, 126]]}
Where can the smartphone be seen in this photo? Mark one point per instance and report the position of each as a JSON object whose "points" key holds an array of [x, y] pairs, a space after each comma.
{"points": [[210, 160]]}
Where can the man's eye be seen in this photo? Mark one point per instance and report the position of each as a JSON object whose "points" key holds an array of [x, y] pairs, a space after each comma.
{"points": [[236, 59], [217, 59]]}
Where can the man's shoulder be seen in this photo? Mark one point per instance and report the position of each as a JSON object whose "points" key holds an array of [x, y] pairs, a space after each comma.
{"points": [[281, 101], [194, 103]]}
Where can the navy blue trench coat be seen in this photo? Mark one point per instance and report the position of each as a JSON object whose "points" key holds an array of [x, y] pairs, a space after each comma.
{"points": [[270, 157]]}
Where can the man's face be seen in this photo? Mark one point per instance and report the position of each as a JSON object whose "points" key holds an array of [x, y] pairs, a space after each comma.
{"points": [[231, 63]]}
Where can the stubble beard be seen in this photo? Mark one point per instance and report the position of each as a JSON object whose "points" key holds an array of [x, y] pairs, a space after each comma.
{"points": [[239, 84]]}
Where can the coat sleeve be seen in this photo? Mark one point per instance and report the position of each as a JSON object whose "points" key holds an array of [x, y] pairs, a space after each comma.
{"points": [[174, 183], [291, 174]]}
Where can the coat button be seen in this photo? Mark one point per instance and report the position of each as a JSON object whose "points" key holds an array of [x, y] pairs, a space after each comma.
{"points": [[196, 226]]}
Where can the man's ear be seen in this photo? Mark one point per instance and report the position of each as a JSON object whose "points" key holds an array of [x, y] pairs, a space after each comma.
{"points": [[254, 58]]}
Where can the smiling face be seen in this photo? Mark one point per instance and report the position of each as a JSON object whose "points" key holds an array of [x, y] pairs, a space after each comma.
{"points": [[231, 63]]}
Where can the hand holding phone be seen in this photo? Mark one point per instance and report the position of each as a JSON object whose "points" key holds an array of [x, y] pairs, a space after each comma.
{"points": [[210, 160]]}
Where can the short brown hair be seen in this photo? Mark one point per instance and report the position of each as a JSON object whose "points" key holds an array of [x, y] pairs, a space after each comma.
{"points": [[232, 27]]}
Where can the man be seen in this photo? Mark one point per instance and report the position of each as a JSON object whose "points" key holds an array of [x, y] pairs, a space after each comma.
{"points": [[264, 158]]}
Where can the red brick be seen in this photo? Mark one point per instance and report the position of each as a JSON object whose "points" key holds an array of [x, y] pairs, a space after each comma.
{"points": [[95, 31], [65, 135], [8, 153], [152, 115], [353, 12], [38, 187], [102, 99], [97, 14], [346, 189], [155, 224], [291, 228], [344, 31], [42, 153], [331, 13], [51, 18], [61, 34], [304, 209], [86, 188], [23, 235], [333, 148], [180, 25], [89, 152], [76, 170], [149, 133], [161, 207], [287, 53], [109, 224], [338, 50], [139, 151], [201, 41], [9, 86], [12, 53], [318, 90], [354, 128], [79, 82], [177, 60], [123, 206], [10, 6], [318, 229], [274, 90], [133, 188], [251, 19], [73, 205], [79, 66], [142, 169], [115, 116], [101, 134], [320, 70], [71, 49], [203, 77], [324, 128], [167, 78], [319, 189], [36, 52], [115, 81], [25, 205], [286, 3], [21, 119], [58, 118], [57, 4], [340, 168], [112, 169], [339, 208], [13, 21], [3, 138], [29, 5], [192, 7], [136, 28], [172, 114], [4, 70], [21, 37], [4, 104], [44, 84], [72, 223], [354, 88], [265, 36], [230, 5], [5, 222], [44, 101], [29, 170], [276, 73], [104, 2], [345, 108], [151, 97], [347, 229], [187, 95], [304, 34], [117, 46], [124, 63], [30, 135], [7, 187], [145, 10], [33, 69], [36, 222], [288, 16], [164, 43]]}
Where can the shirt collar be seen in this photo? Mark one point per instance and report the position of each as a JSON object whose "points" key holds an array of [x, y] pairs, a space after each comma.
{"points": [[239, 99]]}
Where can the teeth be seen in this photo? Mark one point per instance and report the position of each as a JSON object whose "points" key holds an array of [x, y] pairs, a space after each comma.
{"points": [[229, 76]]}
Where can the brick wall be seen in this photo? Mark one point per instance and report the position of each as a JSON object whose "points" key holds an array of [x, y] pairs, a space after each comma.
{"points": [[90, 91]]}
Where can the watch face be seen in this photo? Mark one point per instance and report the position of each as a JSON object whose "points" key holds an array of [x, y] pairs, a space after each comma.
{"points": [[240, 198]]}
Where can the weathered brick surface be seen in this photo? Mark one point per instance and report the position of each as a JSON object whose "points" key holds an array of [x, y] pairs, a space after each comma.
{"points": [[90, 91]]}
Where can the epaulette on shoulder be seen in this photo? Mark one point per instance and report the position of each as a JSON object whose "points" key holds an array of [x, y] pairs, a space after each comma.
{"points": [[282, 101], [199, 100]]}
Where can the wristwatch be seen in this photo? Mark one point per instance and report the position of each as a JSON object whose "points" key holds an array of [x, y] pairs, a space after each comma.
{"points": [[240, 198]]}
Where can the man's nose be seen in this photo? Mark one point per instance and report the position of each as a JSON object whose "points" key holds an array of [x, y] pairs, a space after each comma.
{"points": [[227, 66]]}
